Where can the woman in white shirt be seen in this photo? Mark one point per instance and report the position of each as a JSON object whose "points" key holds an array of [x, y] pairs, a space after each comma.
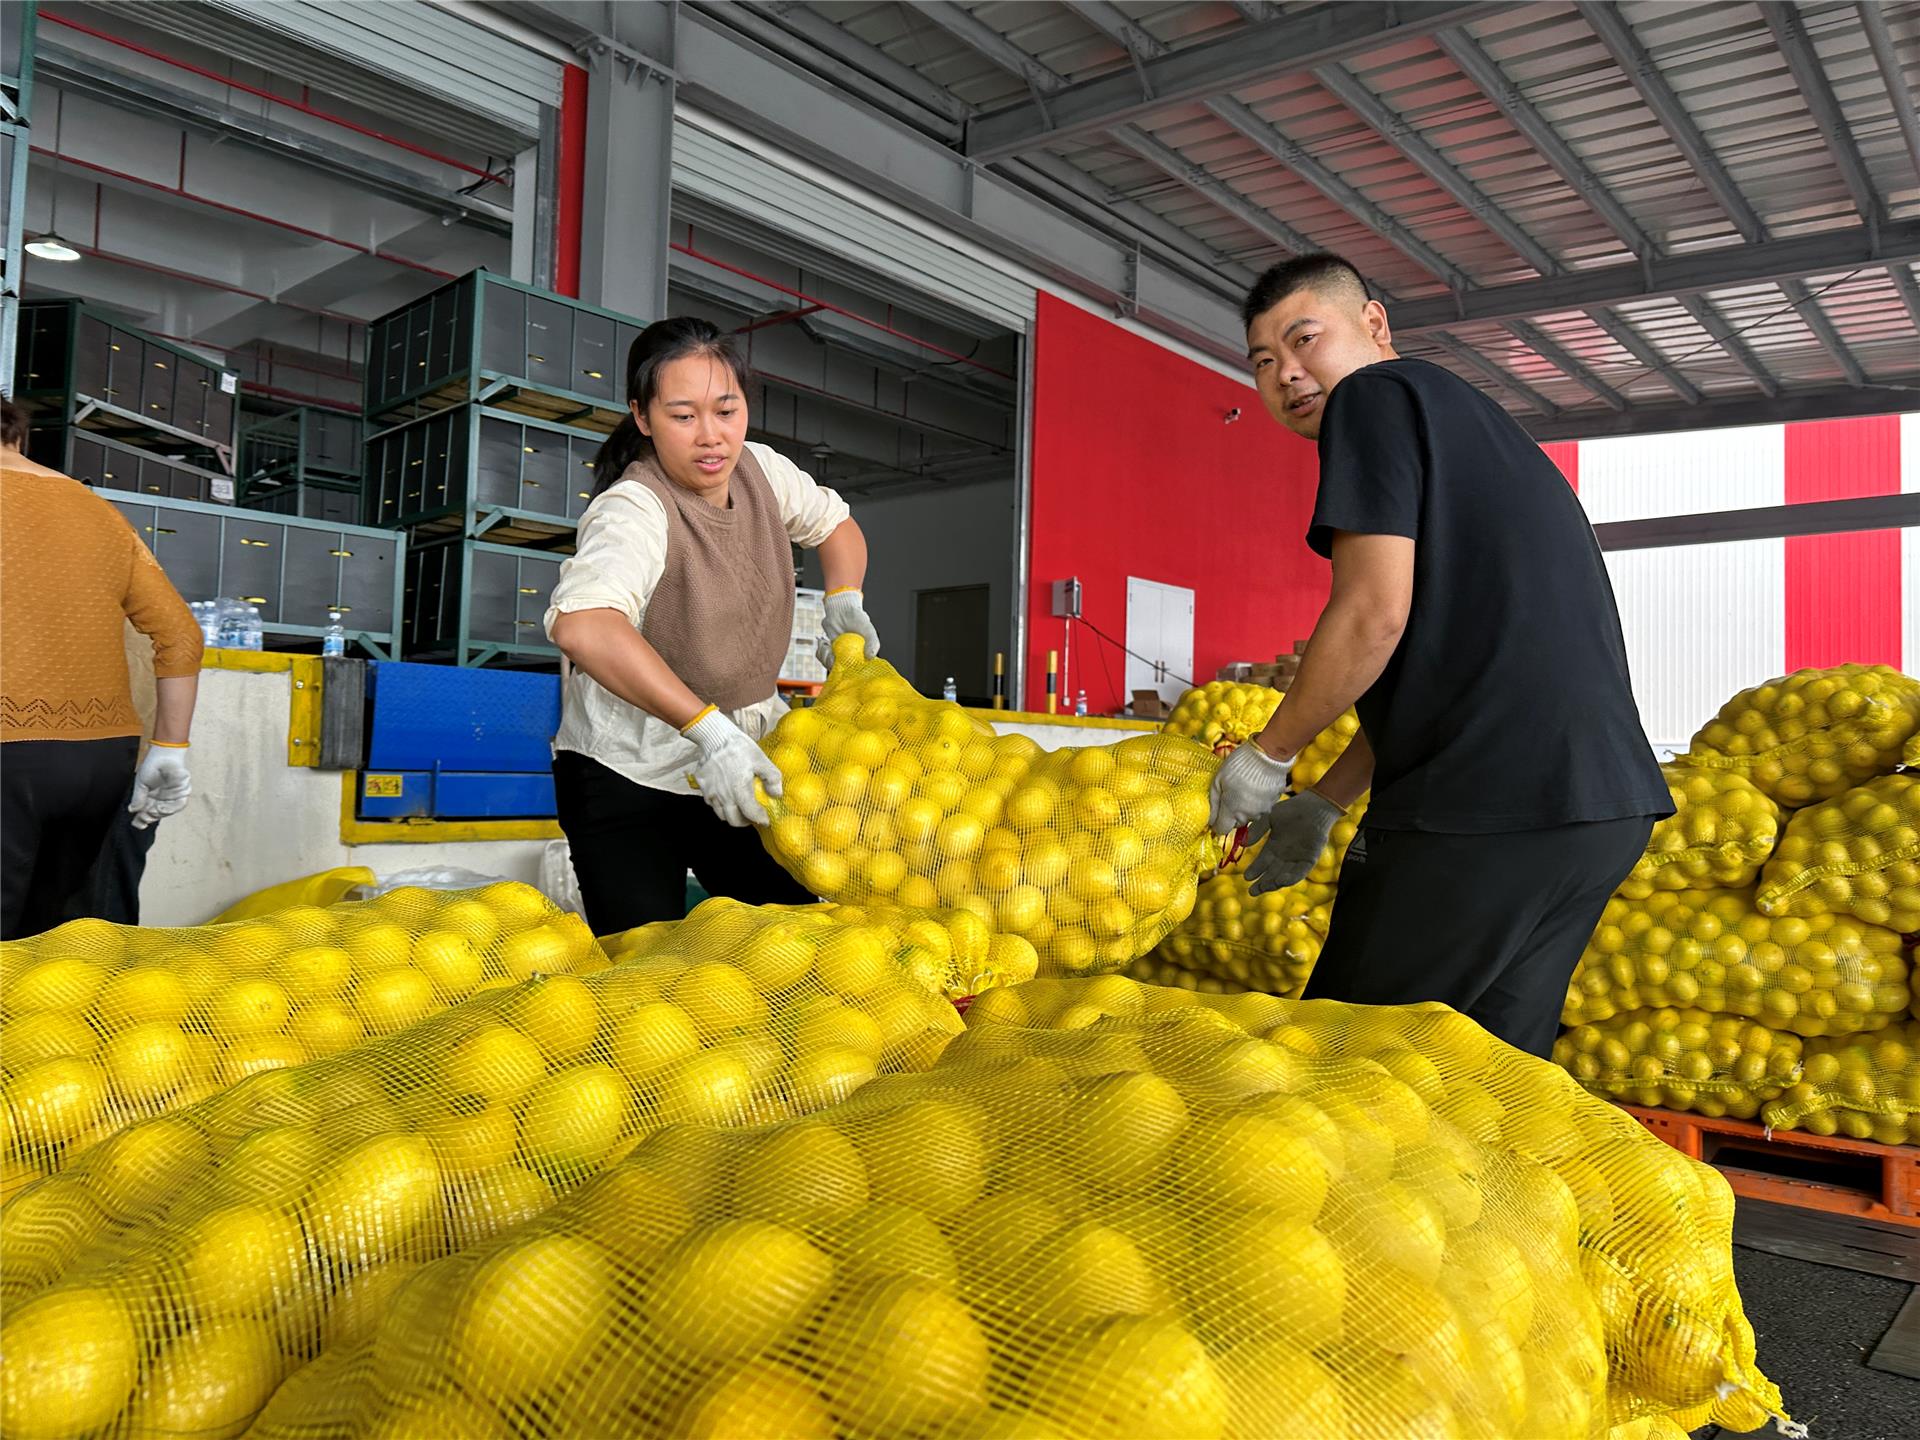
{"points": [[676, 612]]}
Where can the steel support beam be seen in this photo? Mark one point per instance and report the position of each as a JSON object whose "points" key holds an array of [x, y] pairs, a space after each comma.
{"points": [[1824, 403], [1506, 96], [1790, 33], [1496, 374], [1637, 64], [740, 82], [1637, 345], [1289, 44], [626, 221], [1567, 363], [1766, 522], [129, 90], [1290, 153], [1223, 195], [1769, 262], [1724, 335], [1887, 56]]}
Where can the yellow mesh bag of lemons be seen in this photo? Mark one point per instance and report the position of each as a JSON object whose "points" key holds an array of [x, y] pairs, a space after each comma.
{"points": [[1261, 942], [102, 1025], [1090, 854], [1223, 713], [1865, 1087], [1683, 1059], [1857, 854], [1722, 830], [167, 1280], [1813, 734], [1714, 950], [1185, 1217]]}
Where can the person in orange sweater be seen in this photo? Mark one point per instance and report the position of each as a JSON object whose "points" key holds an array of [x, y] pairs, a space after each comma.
{"points": [[71, 571]]}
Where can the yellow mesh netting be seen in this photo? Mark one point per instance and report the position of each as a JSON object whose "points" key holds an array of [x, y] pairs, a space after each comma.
{"points": [[1866, 1087], [1714, 950], [1328, 746], [1091, 853], [167, 1280], [1223, 713], [1683, 1060], [1173, 1220], [1722, 829], [1261, 942], [102, 1025], [1811, 735], [1857, 854]]}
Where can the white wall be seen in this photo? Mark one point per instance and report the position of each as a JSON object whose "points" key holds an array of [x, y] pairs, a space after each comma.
{"points": [[255, 821], [928, 541]]}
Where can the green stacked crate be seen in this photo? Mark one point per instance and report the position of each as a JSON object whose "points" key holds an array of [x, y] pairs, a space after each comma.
{"points": [[486, 402], [306, 462]]}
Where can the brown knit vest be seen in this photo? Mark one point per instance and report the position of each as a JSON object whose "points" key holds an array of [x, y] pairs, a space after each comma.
{"points": [[722, 614]]}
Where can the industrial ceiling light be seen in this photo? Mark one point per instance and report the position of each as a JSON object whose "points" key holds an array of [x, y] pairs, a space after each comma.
{"points": [[51, 247]]}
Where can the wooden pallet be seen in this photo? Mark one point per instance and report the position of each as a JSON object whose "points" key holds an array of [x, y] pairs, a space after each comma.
{"points": [[1811, 1172]]}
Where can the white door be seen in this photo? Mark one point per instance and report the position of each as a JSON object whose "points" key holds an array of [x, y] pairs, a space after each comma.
{"points": [[1160, 629]]}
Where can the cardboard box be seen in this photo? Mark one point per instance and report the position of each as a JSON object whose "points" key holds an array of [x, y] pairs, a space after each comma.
{"points": [[1148, 705], [1236, 671]]}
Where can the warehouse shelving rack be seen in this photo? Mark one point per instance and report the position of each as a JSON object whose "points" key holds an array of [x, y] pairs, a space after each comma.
{"points": [[296, 570], [108, 464], [78, 368], [305, 462], [486, 340], [484, 473], [476, 603]]}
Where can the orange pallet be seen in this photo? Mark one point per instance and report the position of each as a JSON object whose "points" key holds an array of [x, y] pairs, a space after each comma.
{"points": [[1789, 1167]]}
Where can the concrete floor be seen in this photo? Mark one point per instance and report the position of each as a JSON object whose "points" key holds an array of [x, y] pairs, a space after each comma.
{"points": [[1817, 1325]]}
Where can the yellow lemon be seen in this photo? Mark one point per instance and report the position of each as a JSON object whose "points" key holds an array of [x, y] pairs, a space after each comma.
{"points": [[68, 984], [272, 1164], [805, 1175], [714, 1087], [147, 1063], [818, 1078], [144, 994], [900, 1354], [824, 873], [144, 1165], [485, 1204], [246, 1009], [325, 1027], [372, 1201], [836, 828], [52, 1102], [241, 1260], [313, 972], [551, 949], [928, 1154], [1091, 764], [393, 1000], [496, 1063], [736, 1288], [378, 947], [471, 917], [210, 1382], [557, 1013], [449, 958], [758, 1399], [26, 1040], [564, 1280], [571, 1120], [468, 1135], [67, 1360], [718, 998]]}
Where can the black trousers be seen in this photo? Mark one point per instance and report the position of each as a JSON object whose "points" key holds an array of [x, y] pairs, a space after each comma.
{"points": [[1492, 925], [58, 799], [112, 891], [632, 848]]}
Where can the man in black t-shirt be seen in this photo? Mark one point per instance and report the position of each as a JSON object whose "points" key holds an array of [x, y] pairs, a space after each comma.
{"points": [[1473, 626]]}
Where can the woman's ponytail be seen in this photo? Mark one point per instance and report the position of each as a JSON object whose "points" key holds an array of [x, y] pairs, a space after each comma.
{"points": [[661, 343], [620, 449]]}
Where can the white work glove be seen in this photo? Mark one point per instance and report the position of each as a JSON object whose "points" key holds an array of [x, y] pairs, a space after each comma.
{"points": [[1295, 832], [846, 614], [729, 763], [160, 786], [1245, 787]]}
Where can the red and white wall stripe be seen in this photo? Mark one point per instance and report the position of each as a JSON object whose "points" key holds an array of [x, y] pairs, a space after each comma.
{"points": [[1704, 621]]}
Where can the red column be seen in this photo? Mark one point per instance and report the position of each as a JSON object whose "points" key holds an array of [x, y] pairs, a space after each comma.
{"points": [[571, 191], [1843, 591]]}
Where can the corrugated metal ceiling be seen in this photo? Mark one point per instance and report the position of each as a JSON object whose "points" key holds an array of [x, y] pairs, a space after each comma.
{"points": [[1614, 98]]}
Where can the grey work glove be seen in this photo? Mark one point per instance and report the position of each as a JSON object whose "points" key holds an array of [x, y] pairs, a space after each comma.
{"points": [[846, 615], [729, 763], [160, 786], [1295, 832], [1245, 787]]}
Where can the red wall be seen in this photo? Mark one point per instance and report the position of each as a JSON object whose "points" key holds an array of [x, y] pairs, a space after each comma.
{"points": [[1843, 591], [1135, 473]]}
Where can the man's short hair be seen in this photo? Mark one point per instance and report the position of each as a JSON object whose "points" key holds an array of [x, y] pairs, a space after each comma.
{"points": [[14, 420], [1322, 272]]}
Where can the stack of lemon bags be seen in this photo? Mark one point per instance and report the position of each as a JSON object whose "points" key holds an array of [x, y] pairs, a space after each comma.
{"points": [[749, 1173], [1755, 964], [1235, 940]]}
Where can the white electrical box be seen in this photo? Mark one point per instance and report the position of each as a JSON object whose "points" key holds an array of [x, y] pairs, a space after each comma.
{"points": [[1066, 599], [803, 661]]}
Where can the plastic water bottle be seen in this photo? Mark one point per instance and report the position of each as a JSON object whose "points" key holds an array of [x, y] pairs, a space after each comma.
{"points": [[253, 629], [1080, 702], [334, 642], [207, 618], [949, 691]]}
